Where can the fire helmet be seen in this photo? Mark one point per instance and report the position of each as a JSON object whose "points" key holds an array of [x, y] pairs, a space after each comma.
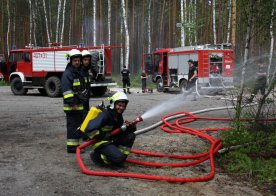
{"points": [[74, 53], [86, 53], [118, 96]]}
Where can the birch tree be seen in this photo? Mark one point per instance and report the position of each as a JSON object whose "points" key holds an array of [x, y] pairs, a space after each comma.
{"points": [[194, 21], [126, 33], [271, 44], [229, 21], [58, 14], [182, 23], [214, 21], [109, 22], [9, 24], [94, 23], [121, 44], [149, 28], [63, 21], [246, 51], [34, 14], [46, 21]]}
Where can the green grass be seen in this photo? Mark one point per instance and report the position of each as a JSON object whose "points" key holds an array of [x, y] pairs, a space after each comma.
{"points": [[255, 160], [4, 83], [135, 81]]}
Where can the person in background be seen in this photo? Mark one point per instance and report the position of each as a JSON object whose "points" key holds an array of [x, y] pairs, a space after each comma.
{"points": [[126, 80], [260, 82], [144, 81], [192, 75], [86, 65]]}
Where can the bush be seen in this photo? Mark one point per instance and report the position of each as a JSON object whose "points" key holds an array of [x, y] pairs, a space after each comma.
{"points": [[256, 156]]}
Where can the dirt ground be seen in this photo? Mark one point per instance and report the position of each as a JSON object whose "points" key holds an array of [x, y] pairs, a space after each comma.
{"points": [[34, 161]]}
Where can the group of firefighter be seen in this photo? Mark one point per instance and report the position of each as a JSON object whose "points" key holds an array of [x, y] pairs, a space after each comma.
{"points": [[76, 80], [108, 149]]}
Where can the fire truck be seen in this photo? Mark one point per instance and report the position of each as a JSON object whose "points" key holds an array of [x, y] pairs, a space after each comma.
{"points": [[169, 67], [42, 67]]}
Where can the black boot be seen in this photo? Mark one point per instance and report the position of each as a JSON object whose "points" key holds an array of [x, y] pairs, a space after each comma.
{"points": [[128, 91], [125, 91]]}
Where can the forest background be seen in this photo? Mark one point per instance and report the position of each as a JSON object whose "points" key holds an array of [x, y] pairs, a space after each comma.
{"points": [[140, 26]]}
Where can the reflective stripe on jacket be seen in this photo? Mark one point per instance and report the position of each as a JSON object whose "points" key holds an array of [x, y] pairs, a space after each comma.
{"points": [[72, 83]]}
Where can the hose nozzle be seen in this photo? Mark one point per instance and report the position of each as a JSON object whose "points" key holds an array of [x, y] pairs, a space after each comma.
{"points": [[138, 119]]}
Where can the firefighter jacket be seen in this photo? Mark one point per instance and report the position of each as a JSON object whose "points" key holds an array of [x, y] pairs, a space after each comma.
{"points": [[125, 74], [102, 126], [73, 89], [87, 80]]}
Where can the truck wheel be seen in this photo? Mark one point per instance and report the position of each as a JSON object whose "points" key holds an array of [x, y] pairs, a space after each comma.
{"points": [[183, 86], [42, 91], [17, 87], [53, 86], [99, 90], [159, 85]]}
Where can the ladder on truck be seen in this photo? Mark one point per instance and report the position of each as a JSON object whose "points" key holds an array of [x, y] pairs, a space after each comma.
{"points": [[101, 67]]}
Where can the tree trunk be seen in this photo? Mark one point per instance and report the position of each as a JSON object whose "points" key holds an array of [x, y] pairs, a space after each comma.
{"points": [[214, 21], [46, 21], [246, 51], [94, 23], [182, 23], [229, 21], [57, 26], [234, 15], [194, 21], [126, 34], [121, 44], [9, 24], [63, 21], [109, 22], [271, 45], [31, 22], [149, 27]]}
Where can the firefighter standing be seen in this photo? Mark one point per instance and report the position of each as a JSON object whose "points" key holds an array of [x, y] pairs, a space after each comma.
{"points": [[260, 81], [125, 78], [86, 65], [192, 75], [111, 150], [74, 96]]}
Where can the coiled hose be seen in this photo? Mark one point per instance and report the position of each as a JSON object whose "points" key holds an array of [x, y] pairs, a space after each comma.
{"points": [[179, 126]]}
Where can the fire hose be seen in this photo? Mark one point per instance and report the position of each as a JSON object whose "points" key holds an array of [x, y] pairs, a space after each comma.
{"points": [[179, 126]]}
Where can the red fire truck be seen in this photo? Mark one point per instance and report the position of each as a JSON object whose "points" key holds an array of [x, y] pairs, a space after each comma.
{"points": [[169, 67], [42, 68]]}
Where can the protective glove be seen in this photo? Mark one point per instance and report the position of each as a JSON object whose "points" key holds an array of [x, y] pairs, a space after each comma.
{"points": [[130, 126]]}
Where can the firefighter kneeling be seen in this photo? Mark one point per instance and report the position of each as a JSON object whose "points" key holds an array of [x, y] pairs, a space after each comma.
{"points": [[111, 150]]}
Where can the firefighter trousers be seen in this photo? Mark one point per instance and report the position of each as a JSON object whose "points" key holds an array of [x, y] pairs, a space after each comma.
{"points": [[73, 122], [126, 85], [114, 152], [260, 85]]}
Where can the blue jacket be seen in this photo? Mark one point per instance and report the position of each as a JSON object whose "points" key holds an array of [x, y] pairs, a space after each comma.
{"points": [[73, 88]]}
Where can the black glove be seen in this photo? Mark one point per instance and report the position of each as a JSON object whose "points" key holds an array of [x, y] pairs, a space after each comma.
{"points": [[131, 128]]}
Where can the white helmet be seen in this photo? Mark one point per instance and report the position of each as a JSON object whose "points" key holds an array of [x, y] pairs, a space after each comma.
{"points": [[118, 96], [85, 53], [74, 53]]}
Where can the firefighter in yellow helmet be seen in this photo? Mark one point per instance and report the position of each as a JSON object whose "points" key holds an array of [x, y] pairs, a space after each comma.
{"points": [[74, 96], [111, 150]]}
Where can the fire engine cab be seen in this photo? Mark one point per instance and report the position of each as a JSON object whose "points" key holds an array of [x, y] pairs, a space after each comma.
{"points": [[42, 68], [169, 67]]}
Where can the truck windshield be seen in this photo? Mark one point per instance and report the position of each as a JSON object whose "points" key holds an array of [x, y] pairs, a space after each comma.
{"points": [[157, 58]]}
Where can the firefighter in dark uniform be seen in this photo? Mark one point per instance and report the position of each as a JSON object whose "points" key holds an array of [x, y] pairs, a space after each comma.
{"points": [[74, 96], [86, 65], [260, 81], [125, 78], [144, 81], [111, 150], [192, 75]]}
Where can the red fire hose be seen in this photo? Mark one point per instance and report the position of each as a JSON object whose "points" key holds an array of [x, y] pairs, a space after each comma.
{"points": [[190, 160]]}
